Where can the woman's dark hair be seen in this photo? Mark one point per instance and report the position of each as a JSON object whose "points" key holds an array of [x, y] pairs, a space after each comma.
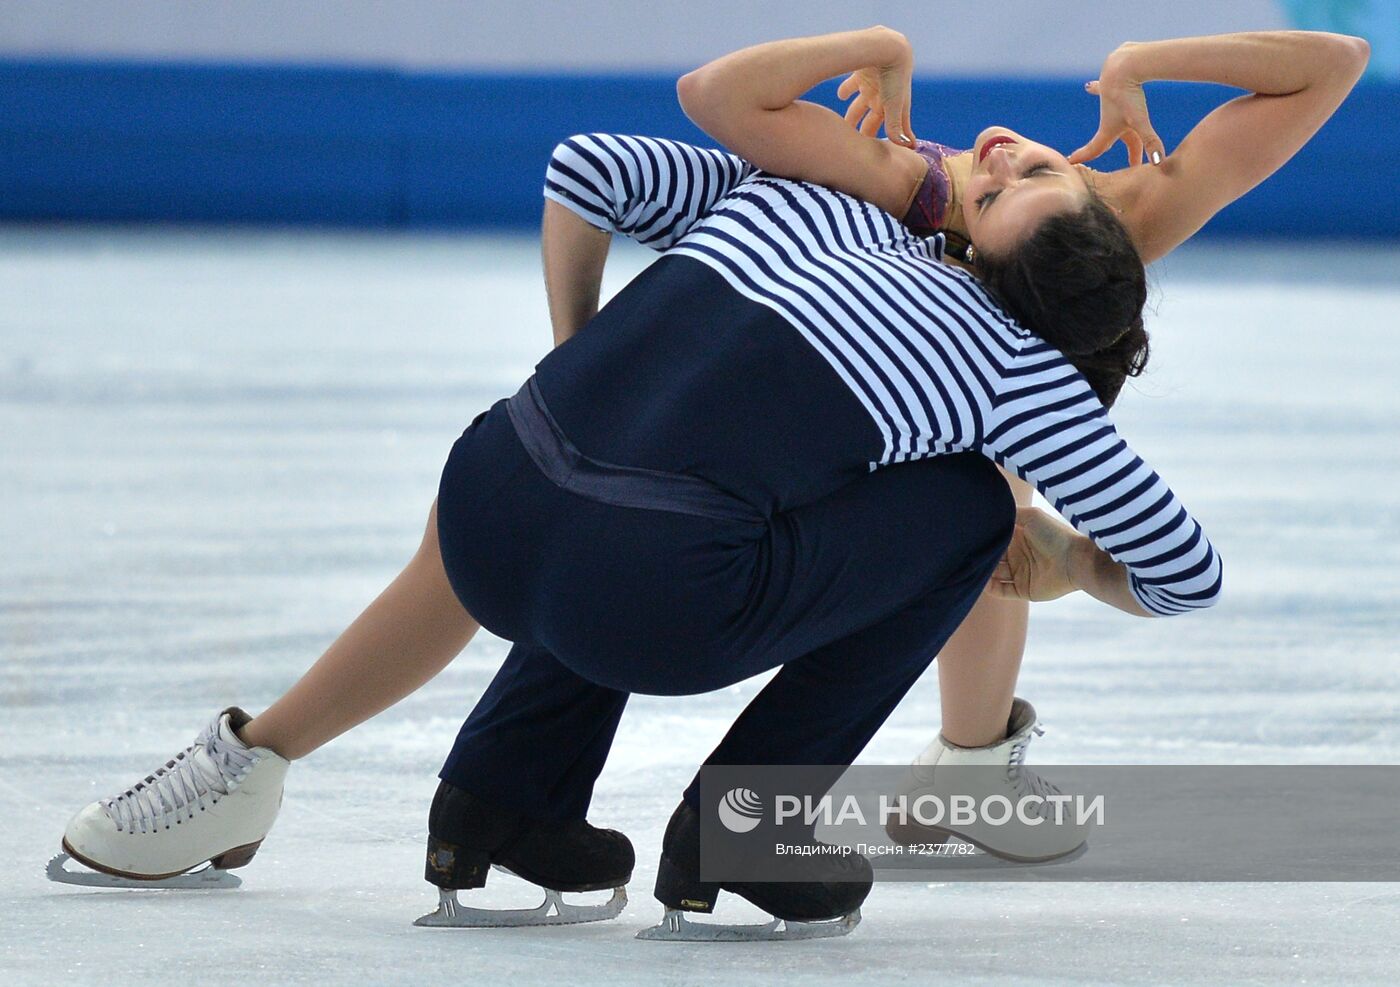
{"points": [[1078, 283]]}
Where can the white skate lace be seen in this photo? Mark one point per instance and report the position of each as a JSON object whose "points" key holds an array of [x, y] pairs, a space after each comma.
{"points": [[1026, 781], [206, 770]]}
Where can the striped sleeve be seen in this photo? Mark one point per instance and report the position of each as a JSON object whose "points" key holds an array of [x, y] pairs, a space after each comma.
{"points": [[1051, 430], [648, 188]]}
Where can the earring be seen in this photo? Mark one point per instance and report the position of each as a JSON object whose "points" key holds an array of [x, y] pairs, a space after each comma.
{"points": [[970, 255]]}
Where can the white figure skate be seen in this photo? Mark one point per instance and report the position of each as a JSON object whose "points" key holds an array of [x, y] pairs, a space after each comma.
{"points": [[945, 770], [213, 802]]}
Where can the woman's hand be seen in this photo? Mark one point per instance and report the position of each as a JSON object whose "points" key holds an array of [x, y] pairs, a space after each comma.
{"points": [[1037, 563], [1122, 114], [883, 94]]}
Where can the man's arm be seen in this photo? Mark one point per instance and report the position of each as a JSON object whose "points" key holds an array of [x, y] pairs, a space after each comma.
{"points": [[1150, 556], [574, 252], [1048, 559], [648, 188]]}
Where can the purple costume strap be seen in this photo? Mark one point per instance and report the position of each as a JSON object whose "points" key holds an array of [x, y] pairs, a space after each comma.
{"points": [[927, 210]]}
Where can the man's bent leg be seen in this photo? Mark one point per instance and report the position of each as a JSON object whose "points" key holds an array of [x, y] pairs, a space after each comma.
{"points": [[538, 738], [906, 552], [823, 708]]}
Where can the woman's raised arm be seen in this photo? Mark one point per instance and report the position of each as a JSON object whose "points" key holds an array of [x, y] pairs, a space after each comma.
{"points": [[748, 101], [1296, 79]]}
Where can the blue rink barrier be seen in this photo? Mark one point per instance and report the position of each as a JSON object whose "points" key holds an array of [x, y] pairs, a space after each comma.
{"points": [[376, 147]]}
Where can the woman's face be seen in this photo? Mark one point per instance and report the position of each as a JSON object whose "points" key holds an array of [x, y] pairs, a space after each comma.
{"points": [[1016, 184]]}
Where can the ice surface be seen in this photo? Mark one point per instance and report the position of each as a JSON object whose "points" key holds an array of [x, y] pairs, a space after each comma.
{"points": [[215, 448]]}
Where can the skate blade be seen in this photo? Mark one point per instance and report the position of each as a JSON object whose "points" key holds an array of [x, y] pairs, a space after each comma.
{"points": [[452, 914], [675, 927], [204, 879]]}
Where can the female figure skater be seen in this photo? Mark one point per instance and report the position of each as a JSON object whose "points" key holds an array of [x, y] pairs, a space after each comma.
{"points": [[1036, 228], [1028, 209], [792, 339]]}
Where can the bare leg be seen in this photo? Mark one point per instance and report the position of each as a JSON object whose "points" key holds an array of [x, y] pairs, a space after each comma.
{"points": [[977, 668], [403, 639]]}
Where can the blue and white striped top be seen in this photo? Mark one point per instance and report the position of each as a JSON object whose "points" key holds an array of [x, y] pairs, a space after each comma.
{"points": [[932, 359]]}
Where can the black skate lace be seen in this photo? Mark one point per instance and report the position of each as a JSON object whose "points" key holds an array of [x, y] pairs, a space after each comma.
{"points": [[207, 769]]}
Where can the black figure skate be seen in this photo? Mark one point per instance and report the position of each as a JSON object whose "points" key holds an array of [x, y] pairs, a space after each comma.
{"points": [[467, 836], [823, 899]]}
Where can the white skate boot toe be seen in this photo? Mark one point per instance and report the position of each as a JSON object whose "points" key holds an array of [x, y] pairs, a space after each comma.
{"points": [[214, 802]]}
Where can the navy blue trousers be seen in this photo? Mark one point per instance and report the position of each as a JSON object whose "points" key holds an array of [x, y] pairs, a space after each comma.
{"points": [[853, 595]]}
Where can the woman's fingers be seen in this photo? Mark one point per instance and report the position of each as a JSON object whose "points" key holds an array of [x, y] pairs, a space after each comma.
{"points": [[1152, 145], [1122, 115], [1133, 143], [868, 109], [870, 126], [894, 122], [1097, 145]]}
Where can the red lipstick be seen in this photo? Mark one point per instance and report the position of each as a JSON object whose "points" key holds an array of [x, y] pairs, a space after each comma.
{"points": [[993, 142]]}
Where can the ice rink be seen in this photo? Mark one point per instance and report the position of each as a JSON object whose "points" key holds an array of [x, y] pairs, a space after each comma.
{"points": [[215, 448]]}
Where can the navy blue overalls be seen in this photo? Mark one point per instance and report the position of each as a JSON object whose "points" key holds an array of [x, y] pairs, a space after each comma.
{"points": [[671, 505]]}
